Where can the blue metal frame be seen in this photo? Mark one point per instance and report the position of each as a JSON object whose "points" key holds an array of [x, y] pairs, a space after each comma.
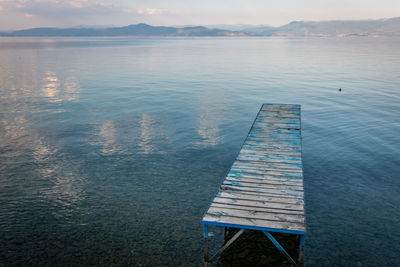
{"points": [[265, 231], [254, 228], [302, 240]]}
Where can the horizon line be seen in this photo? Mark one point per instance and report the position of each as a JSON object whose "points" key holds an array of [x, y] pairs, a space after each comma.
{"points": [[197, 25]]}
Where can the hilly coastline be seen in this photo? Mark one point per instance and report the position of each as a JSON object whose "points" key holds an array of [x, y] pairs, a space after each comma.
{"points": [[131, 30], [340, 28]]}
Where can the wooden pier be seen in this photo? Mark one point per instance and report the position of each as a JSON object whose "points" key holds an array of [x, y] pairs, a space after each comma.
{"points": [[263, 190]]}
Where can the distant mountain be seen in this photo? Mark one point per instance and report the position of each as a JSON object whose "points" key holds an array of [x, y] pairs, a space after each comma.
{"points": [[235, 27], [131, 30], [384, 27]]}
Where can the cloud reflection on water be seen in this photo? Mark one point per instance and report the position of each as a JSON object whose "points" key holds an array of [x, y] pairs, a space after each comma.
{"points": [[51, 86], [211, 116], [142, 134], [57, 90], [145, 140], [108, 134], [23, 143]]}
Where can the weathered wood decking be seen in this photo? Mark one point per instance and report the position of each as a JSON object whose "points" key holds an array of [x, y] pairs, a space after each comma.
{"points": [[264, 188]]}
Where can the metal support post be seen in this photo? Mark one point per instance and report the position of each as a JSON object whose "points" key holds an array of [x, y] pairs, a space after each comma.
{"points": [[205, 245], [301, 249], [280, 248], [227, 245]]}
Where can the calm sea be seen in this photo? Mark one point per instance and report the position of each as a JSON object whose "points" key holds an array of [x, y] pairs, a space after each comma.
{"points": [[112, 148]]}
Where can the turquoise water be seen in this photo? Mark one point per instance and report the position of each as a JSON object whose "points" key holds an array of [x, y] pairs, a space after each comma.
{"points": [[112, 148]]}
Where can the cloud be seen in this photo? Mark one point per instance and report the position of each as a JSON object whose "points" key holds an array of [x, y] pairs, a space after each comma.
{"points": [[59, 9], [63, 9], [147, 11], [154, 11], [22, 14]]}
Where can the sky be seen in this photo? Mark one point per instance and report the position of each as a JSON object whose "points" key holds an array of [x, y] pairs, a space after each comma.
{"points": [[22, 14]]}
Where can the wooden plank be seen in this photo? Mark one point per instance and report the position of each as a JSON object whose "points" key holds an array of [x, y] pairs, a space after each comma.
{"points": [[246, 184], [268, 170], [255, 208], [273, 175], [273, 142], [264, 181], [254, 222], [294, 183], [272, 145], [278, 207], [263, 199], [270, 151], [276, 125], [278, 179], [280, 143], [273, 137], [260, 197], [248, 168], [271, 179], [274, 134], [271, 126], [270, 164], [275, 121], [277, 192], [280, 107], [268, 156], [291, 110], [262, 156], [266, 121], [255, 214], [267, 138], [253, 146], [276, 115], [269, 159], [286, 132], [282, 176], [260, 165], [280, 119], [264, 152]]}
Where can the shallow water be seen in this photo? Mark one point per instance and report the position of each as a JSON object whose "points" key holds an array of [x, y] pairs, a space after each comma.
{"points": [[112, 148]]}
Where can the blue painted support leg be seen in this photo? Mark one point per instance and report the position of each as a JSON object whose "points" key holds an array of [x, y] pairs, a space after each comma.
{"points": [[301, 249], [227, 244], [280, 248], [205, 245]]}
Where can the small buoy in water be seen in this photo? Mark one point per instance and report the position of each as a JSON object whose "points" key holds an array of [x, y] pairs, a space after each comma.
{"points": [[340, 89]]}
